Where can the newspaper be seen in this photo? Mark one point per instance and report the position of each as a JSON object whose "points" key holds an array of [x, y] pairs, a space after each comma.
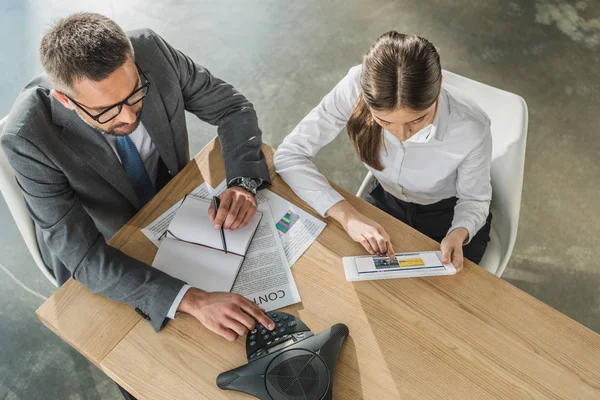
{"points": [[265, 276], [297, 229]]}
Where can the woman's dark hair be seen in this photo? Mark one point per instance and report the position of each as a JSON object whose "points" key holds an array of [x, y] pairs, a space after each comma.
{"points": [[399, 72]]}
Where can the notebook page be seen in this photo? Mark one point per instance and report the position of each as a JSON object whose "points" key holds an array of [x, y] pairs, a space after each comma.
{"points": [[192, 224], [202, 267]]}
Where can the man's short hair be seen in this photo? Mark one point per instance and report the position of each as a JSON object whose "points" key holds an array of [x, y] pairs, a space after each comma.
{"points": [[83, 45]]}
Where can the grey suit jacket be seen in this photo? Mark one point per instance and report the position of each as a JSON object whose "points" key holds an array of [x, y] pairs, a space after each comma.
{"points": [[77, 192]]}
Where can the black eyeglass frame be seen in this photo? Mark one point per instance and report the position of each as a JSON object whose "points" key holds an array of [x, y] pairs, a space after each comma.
{"points": [[120, 104]]}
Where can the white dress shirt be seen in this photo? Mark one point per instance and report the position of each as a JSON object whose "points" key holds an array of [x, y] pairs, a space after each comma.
{"points": [[451, 157], [144, 145]]}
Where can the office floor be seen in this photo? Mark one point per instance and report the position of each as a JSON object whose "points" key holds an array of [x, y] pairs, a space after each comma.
{"points": [[285, 56]]}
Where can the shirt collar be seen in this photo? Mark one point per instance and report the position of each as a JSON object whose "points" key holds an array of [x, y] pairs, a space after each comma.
{"points": [[440, 123], [438, 126]]}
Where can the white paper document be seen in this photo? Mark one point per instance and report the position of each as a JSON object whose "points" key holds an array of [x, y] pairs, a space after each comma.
{"points": [[297, 229], [265, 276], [158, 227], [220, 187]]}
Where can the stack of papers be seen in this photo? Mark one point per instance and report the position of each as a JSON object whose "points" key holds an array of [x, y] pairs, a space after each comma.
{"points": [[279, 234], [192, 250]]}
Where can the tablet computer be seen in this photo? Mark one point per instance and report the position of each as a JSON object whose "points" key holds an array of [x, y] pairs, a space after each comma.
{"points": [[405, 265]]}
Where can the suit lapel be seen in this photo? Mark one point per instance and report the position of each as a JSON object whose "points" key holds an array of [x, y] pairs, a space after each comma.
{"points": [[93, 148], [154, 118]]}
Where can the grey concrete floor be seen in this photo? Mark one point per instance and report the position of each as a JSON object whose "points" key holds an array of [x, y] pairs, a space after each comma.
{"points": [[285, 56]]}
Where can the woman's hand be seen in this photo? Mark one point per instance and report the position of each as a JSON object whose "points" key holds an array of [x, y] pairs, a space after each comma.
{"points": [[361, 229], [452, 247]]}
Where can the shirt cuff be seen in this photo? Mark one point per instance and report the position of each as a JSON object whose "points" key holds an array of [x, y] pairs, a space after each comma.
{"points": [[177, 301], [328, 200]]}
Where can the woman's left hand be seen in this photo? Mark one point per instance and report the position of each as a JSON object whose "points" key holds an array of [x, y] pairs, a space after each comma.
{"points": [[452, 247]]}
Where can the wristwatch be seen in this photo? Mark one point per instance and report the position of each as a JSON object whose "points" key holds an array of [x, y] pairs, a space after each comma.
{"points": [[248, 184]]}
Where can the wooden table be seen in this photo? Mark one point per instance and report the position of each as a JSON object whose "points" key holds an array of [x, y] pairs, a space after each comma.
{"points": [[469, 336]]}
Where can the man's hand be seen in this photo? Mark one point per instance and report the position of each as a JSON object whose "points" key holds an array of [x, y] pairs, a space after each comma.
{"points": [[237, 207], [452, 247], [227, 314]]}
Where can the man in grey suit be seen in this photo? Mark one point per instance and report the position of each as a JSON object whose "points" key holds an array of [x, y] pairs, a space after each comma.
{"points": [[96, 136]]}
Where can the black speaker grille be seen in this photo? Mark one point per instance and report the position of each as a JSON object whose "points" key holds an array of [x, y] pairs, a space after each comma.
{"points": [[339, 330], [301, 375]]}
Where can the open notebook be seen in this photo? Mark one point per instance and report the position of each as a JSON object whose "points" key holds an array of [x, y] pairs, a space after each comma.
{"points": [[192, 251]]}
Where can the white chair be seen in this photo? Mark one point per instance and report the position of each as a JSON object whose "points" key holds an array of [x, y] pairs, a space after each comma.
{"points": [[14, 200], [508, 113]]}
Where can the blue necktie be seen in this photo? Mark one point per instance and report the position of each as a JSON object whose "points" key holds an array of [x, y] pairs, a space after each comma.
{"points": [[135, 169]]}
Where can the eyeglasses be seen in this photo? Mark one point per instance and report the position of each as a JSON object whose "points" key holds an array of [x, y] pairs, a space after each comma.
{"points": [[111, 112]]}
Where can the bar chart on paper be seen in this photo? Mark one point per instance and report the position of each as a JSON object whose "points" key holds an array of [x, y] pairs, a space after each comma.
{"points": [[287, 221]]}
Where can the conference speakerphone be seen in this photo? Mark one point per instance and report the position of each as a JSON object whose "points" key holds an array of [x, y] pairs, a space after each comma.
{"points": [[289, 362]]}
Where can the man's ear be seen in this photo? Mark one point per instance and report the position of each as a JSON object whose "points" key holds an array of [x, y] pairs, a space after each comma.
{"points": [[64, 100]]}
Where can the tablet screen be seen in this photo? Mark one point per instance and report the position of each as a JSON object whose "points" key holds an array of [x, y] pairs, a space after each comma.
{"points": [[402, 262]]}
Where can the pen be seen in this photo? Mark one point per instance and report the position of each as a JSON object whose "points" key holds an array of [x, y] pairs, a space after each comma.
{"points": [[216, 202]]}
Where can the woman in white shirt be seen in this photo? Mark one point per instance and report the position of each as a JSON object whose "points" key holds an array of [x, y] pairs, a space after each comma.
{"points": [[427, 145]]}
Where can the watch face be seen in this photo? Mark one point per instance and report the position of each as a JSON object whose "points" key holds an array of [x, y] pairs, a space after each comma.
{"points": [[251, 183]]}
